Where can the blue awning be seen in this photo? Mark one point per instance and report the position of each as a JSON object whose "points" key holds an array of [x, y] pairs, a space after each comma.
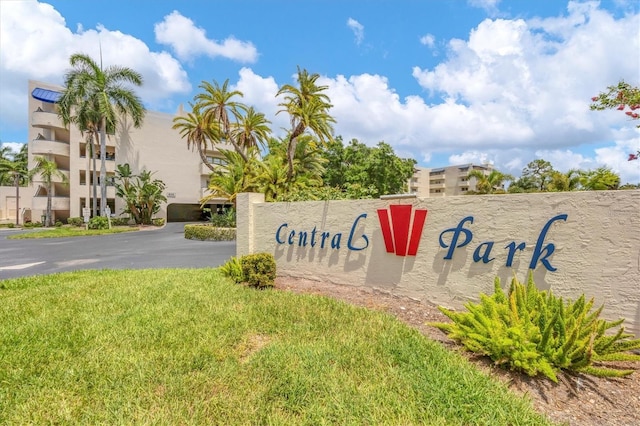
{"points": [[45, 95]]}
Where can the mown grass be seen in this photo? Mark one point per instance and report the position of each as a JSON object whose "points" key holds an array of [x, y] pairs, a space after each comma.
{"points": [[70, 232], [188, 347]]}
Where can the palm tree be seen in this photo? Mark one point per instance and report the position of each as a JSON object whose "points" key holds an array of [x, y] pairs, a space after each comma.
{"points": [[18, 174], [250, 131], [94, 99], [236, 176], [489, 184], [48, 171], [272, 178], [559, 182], [218, 108], [197, 131], [308, 109]]}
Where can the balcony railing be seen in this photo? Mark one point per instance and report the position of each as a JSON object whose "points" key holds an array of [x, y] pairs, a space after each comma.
{"points": [[44, 146], [57, 203], [46, 120]]}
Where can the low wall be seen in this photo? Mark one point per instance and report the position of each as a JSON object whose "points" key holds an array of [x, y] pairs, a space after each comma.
{"points": [[448, 250]]}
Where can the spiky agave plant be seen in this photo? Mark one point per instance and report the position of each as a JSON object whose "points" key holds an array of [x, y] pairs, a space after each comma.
{"points": [[538, 333]]}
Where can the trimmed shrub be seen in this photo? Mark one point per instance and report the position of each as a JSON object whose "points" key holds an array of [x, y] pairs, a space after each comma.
{"points": [[209, 233], [157, 221], [120, 221], [58, 224], [75, 221], [536, 332], [259, 269], [99, 222]]}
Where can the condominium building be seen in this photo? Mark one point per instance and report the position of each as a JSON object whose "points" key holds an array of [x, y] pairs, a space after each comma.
{"points": [[154, 147], [445, 181]]}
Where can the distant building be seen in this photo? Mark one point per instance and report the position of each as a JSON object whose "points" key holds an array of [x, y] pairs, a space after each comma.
{"points": [[154, 147], [445, 181]]}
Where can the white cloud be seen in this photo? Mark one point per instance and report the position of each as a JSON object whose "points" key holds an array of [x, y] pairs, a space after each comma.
{"points": [[189, 41], [260, 92], [428, 40], [357, 28], [490, 6], [13, 146], [32, 32], [527, 84]]}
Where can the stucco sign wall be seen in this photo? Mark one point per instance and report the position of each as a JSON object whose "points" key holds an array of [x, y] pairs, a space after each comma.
{"points": [[449, 250]]}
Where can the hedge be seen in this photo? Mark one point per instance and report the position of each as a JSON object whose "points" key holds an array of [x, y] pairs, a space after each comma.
{"points": [[209, 233]]}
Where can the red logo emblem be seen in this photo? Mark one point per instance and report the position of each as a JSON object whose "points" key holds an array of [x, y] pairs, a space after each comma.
{"points": [[402, 230]]}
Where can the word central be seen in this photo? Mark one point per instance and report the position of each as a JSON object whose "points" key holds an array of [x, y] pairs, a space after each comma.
{"points": [[314, 237]]}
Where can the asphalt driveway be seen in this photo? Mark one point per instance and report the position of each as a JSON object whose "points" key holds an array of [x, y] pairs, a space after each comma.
{"points": [[157, 248]]}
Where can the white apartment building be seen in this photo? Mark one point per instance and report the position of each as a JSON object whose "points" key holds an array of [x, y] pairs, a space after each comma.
{"points": [[445, 181], [155, 147]]}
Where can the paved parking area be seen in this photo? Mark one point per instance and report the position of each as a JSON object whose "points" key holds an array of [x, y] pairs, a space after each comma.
{"points": [[157, 248]]}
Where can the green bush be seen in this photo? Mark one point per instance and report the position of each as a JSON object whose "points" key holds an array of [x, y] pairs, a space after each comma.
{"points": [[538, 333], [259, 269], [75, 221], [157, 221], [58, 224], [233, 269], [11, 225], [209, 233], [225, 220], [120, 221], [99, 222]]}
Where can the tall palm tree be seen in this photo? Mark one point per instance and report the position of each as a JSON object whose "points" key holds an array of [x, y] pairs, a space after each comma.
{"points": [[197, 131], [18, 174], [48, 171], [308, 109], [218, 109], [489, 184], [250, 131], [95, 98]]}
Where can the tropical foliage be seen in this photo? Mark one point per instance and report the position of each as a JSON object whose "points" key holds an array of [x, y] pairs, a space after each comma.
{"points": [[308, 109], [536, 332], [489, 183], [15, 172], [95, 99], [48, 173], [142, 194]]}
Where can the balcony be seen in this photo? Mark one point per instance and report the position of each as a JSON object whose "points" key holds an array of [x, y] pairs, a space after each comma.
{"points": [[44, 147], [57, 203], [437, 185], [46, 120], [55, 178]]}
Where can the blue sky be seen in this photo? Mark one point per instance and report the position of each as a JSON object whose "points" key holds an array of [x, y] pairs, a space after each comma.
{"points": [[444, 82]]}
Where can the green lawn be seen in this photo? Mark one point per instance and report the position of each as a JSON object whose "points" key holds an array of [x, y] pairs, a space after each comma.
{"points": [[70, 232], [188, 347]]}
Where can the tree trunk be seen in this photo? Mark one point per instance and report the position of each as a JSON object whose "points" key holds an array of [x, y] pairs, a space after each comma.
{"points": [[103, 166], [47, 217], [291, 149], [94, 182], [204, 158]]}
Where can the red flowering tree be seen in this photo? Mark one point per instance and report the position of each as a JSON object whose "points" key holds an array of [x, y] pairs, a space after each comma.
{"points": [[623, 97]]}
